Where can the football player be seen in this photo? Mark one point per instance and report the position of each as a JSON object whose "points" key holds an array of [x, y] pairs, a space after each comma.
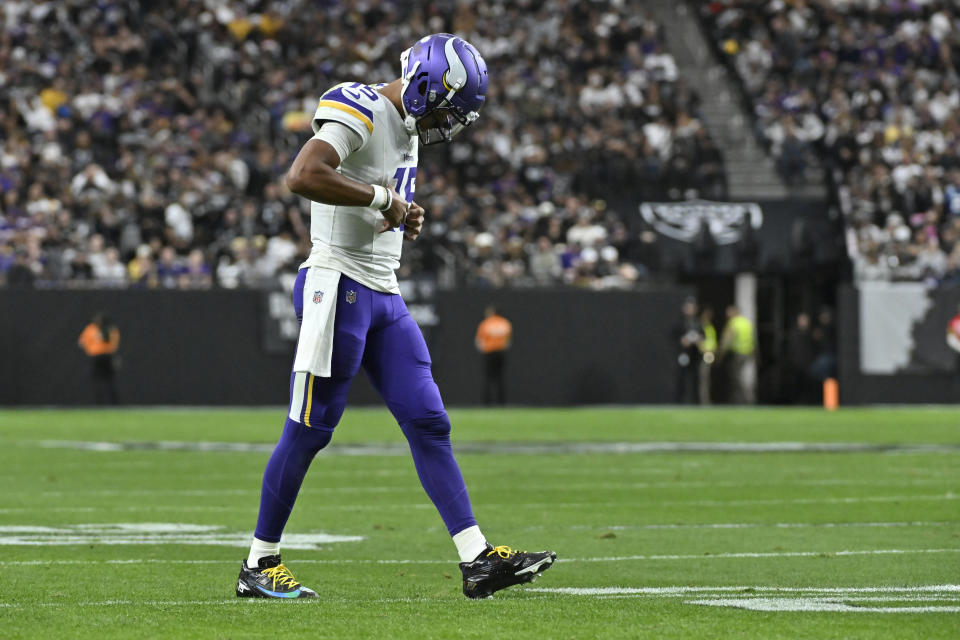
{"points": [[359, 171]]}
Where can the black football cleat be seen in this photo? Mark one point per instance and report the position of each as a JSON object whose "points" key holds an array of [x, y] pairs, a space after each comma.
{"points": [[501, 567], [270, 580]]}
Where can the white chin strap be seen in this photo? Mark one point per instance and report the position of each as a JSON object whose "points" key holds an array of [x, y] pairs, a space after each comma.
{"points": [[409, 122]]}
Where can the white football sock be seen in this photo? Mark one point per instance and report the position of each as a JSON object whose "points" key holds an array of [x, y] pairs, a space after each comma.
{"points": [[260, 549], [470, 542]]}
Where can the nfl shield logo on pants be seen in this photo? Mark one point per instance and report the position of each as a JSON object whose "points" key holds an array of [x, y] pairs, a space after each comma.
{"points": [[317, 297], [351, 297]]}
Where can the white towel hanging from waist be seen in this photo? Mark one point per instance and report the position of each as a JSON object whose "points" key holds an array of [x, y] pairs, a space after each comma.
{"points": [[315, 347]]}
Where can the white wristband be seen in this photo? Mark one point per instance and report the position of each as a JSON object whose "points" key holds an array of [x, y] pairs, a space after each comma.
{"points": [[382, 198]]}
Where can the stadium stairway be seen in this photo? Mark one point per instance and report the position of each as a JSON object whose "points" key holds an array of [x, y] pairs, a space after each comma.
{"points": [[749, 167]]}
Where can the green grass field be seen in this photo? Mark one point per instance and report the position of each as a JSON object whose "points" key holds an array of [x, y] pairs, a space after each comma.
{"points": [[131, 524]]}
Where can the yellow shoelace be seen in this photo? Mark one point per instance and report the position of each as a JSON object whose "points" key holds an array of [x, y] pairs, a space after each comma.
{"points": [[281, 575], [503, 551]]}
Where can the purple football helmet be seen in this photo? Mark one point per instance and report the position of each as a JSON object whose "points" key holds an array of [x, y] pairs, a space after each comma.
{"points": [[444, 85]]}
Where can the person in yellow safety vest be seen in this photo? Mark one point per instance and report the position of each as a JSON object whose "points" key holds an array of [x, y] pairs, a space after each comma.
{"points": [[738, 347], [708, 351]]}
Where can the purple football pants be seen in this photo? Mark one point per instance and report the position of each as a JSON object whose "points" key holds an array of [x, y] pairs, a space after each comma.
{"points": [[373, 330]]}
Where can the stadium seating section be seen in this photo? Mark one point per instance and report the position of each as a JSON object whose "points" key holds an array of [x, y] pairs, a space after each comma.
{"points": [[152, 155], [868, 89]]}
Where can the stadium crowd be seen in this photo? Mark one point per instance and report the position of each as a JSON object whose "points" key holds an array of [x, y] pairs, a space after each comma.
{"points": [[870, 87], [152, 154]]}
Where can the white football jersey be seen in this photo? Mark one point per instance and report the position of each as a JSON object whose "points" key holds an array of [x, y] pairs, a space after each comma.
{"points": [[347, 239]]}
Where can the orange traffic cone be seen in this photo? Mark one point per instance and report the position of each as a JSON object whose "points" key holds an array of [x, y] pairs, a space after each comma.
{"points": [[831, 394]]}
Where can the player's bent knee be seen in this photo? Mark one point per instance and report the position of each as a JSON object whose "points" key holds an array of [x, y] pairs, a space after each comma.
{"points": [[308, 439], [432, 424]]}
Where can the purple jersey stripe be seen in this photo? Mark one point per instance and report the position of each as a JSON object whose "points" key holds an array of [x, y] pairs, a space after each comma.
{"points": [[337, 96]]}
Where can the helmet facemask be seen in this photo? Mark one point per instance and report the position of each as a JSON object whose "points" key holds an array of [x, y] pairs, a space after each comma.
{"points": [[442, 124]]}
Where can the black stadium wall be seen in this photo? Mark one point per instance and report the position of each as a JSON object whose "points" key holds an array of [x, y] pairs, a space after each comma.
{"points": [[176, 347], [214, 347], [569, 346]]}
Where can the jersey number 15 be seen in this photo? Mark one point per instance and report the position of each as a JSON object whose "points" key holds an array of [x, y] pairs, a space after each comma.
{"points": [[406, 182]]}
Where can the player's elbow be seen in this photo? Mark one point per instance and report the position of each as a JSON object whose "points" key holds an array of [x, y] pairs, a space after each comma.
{"points": [[314, 183], [295, 180]]}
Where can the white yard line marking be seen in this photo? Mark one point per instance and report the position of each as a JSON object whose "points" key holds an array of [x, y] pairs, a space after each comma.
{"points": [[772, 554], [627, 527], [764, 604], [838, 500], [532, 505], [817, 599], [237, 540], [150, 533], [250, 602], [204, 508], [950, 589], [755, 525], [814, 605], [906, 599], [336, 561], [915, 599], [413, 487], [39, 509], [722, 484], [533, 448], [949, 495]]}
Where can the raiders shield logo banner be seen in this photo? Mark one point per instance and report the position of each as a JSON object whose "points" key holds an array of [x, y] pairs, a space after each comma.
{"points": [[683, 220]]}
